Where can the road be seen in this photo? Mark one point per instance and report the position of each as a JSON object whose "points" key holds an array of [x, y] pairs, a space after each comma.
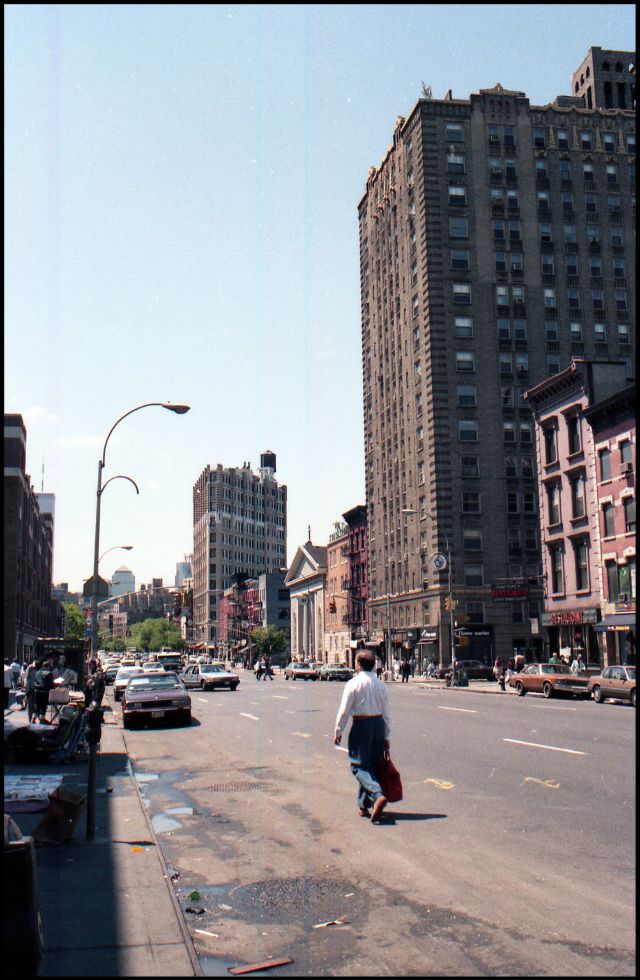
{"points": [[512, 853]]}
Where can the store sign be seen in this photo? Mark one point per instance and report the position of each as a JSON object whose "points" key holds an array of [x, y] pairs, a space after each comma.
{"points": [[509, 592], [480, 631], [570, 617], [429, 634]]}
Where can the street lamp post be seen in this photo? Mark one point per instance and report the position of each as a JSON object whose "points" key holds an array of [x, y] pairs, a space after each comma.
{"points": [[179, 410]]}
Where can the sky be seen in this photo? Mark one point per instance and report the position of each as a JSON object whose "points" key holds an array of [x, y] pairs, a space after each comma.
{"points": [[181, 191]]}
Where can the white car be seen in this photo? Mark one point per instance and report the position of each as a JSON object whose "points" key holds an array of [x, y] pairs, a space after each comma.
{"points": [[123, 677], [209, 676], [151, 667]]}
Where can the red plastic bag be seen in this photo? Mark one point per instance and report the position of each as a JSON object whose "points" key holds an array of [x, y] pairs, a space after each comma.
{"points": [[389, 779]]}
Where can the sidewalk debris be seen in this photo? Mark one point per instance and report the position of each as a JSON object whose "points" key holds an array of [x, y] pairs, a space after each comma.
{"points": [[342, 921], [265, 965]]}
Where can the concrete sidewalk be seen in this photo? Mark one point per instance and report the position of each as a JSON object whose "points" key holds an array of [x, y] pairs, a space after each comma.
{"points": [[107, 905]]}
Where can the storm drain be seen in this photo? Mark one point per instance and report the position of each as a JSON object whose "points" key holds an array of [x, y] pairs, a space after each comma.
{"points": [[237, 787]]}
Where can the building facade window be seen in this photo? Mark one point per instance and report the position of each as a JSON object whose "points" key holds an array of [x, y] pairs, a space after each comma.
{"points": [[581, 555], [557, 569]]}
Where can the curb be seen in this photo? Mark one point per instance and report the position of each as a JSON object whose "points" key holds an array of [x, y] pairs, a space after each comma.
{"points": [[186, 935]]}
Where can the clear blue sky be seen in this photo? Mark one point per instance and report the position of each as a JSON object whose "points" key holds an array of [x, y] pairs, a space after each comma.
{"points": [[181, 190]]}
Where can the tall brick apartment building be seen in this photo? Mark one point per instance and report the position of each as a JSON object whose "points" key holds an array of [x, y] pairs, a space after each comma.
{"points": [[29, 610], [239, 526], [496, 242]]}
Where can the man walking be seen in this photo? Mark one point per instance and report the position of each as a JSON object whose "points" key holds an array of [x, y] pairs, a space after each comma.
{"points": [[366, 701]]}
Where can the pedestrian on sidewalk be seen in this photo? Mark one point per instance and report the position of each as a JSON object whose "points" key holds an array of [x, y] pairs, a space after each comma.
{"points": [[405, 671], [30, 689], [8, 680], [365, 700], [498, 672], [43, 684], [15, 671]]}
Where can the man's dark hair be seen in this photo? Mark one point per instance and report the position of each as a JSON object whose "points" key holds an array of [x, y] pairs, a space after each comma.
{"points": [[366, 659]]}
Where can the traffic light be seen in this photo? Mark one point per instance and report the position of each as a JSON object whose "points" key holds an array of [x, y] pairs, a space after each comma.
{"points": [[447, 603]]}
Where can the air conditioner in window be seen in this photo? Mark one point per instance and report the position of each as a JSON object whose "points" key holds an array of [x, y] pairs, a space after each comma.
{"points": [[626, 468]]}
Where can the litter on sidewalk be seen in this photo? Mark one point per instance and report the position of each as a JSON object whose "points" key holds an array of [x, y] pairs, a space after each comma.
{"points": [[254, 967]]}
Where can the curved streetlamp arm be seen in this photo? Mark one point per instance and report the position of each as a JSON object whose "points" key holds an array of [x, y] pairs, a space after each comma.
{"points": [[119, 477], [179, 409]]}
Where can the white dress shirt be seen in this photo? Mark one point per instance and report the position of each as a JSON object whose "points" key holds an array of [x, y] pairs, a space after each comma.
{"points": [[364, 694]]}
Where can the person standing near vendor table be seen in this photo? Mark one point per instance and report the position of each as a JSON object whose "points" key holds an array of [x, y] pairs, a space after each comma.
{"points": [[43, 684], [8, 680], [30, 689], [365, 700]]}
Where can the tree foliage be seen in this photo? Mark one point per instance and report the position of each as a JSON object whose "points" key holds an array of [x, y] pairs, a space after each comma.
{"points": [[153, 634], [74, 621], [269, 640]]}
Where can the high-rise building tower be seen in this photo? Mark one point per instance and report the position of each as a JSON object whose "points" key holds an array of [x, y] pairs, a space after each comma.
{"points": [[496, 241], [239, 528]]}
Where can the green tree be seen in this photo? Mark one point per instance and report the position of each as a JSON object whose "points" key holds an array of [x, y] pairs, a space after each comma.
{"points": [[74, 621], [153, 634], [270, 641]]}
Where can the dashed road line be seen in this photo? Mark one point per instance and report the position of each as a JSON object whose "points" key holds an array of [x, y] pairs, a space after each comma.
{"points": [[245, 715], [538, 745], [468, 711]]}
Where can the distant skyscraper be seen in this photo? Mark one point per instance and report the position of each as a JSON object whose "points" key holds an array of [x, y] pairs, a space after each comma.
{"points": [[183, 570], [122, 581], [496, 241], [239, 528]]}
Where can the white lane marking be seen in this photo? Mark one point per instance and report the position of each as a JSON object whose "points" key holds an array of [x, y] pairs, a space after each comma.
{"points": [[538, 745], [302, 734], [469, 711], [281, 697], [340, 748], [204, 700], [543, 782], [244, 715]]}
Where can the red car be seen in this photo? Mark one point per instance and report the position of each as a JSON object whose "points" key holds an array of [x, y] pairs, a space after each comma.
{"points": [[151, 696], [549, 679]]}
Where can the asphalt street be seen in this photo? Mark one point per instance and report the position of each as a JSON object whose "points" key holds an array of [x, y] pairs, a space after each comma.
{"points": [[512, 853]]}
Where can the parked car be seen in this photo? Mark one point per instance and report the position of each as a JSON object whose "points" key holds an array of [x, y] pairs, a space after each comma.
{"points": [[335, 672], [155, 695], [122, 678], [301, 670], [474, 669], [614, 682], [549, 679], [110, 673], [209, 676]]}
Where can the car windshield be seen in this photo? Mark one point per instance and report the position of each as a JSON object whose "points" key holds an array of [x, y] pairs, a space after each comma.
{"points": [[631, 673], [211, 669], [555, 669], [125, 672], [153, 682]]}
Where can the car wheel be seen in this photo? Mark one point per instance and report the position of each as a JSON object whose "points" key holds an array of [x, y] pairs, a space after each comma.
{"points": [[520, 688], [597, 694], [203, 685], [547, 689], [234, 687], [633, 697], [126, 722], [186, 718]]}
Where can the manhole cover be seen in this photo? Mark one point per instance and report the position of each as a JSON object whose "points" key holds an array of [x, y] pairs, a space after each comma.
{"points": [[289, 899]]}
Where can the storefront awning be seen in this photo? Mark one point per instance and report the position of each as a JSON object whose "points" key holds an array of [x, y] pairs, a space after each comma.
{"points": [[622, 621]]}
